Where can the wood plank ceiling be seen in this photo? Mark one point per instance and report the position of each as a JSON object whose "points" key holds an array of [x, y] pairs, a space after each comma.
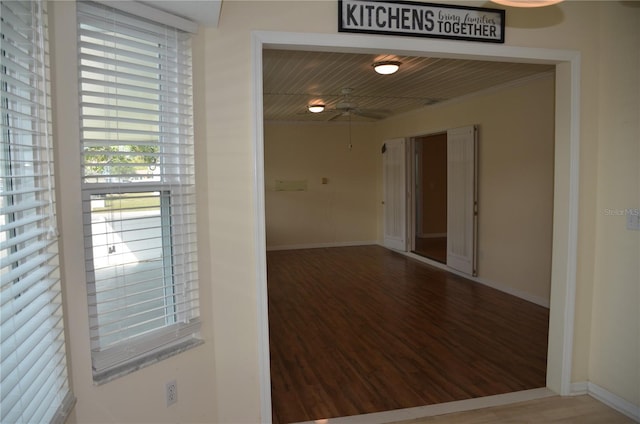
{"points": [[294, 79]]}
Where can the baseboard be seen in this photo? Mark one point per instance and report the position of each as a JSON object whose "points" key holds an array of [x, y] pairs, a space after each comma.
{"points": [[320, 245], [440, 408], [579, 388], [540, 301], [614, 401], [605, 396]]}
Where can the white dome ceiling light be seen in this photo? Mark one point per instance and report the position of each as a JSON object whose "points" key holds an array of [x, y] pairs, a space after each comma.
{"points": [[386, 67], [315, 108]]}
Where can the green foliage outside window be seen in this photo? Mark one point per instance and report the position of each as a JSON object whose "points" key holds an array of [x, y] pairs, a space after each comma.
{"points": [[120, 160]]}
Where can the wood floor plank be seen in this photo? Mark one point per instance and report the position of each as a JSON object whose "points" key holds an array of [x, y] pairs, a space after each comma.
{"points": [[363, 329], [432, 247], [553, 410]]}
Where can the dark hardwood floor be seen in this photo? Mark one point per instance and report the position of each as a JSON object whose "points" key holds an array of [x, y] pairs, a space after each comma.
{"points": [[433, 248], [355, 330]]}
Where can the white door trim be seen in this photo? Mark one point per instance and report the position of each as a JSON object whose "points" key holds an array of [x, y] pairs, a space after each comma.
{"points": [[260, 233], [462, 198], [566, 173], [395, 197]]}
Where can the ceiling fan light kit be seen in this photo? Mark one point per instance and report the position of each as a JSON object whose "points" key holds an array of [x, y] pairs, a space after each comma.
{"points": [[526, 3], [386, 67], [315, 108]]}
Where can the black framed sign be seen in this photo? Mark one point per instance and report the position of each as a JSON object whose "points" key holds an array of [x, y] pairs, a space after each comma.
{"points": [[416, 19]]}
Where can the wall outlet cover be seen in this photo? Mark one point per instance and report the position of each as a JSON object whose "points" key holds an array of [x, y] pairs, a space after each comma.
{"points": [[171, 391]]}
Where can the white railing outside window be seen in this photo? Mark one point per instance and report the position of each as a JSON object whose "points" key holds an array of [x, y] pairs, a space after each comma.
{"points": [[138, 188], [33, 368]]}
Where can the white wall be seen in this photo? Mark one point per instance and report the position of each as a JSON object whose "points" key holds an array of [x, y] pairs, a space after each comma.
{"points": [[219, 382]]}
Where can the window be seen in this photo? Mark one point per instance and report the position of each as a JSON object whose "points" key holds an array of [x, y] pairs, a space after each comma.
{"points": [[33, 366], [138, 188]]}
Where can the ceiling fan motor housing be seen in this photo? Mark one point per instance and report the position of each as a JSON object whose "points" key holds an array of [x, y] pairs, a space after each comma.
{"points": [[346, 106]]}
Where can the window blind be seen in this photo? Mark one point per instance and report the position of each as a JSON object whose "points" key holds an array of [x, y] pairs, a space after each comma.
{"points": [[33, 368], [138, 186]]}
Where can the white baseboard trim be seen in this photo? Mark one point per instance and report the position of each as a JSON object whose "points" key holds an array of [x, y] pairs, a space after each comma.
{"points": [[440, 408], [579, 388], [605, 396], [509, 290], [320, 245], [614, 401], [541, 301]]}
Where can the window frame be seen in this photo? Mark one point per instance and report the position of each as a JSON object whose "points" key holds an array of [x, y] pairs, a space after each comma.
{"points": [[129, 355]]}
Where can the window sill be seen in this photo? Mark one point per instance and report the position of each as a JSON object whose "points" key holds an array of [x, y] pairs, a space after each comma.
{"points": [[68, 403], [144, 361]]}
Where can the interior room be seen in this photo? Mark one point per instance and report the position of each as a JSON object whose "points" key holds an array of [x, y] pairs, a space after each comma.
{"points": [[557, 200], [336, 158]]}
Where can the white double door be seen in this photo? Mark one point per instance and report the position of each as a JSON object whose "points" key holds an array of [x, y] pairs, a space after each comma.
{"points": [[461, 197]]}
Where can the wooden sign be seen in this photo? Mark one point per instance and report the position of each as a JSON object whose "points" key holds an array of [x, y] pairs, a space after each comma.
{"points": [[416, 19]]}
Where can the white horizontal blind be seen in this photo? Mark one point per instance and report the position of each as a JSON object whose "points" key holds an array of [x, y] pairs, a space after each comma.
{"points": [[138, 185], [33, 368]]}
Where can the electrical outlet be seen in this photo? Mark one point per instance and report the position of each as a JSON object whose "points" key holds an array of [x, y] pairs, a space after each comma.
{"points": [[171, 392]]}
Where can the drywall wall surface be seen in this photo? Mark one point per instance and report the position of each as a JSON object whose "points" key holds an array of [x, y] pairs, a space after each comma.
{"points": [[574, 25], [570, 25], [615, 337], [231, 161], [320, 184], [515, 177], [139, 396], [225, 372]]}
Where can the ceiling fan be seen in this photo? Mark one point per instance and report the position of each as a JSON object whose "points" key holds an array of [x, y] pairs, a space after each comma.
{"points": [[346, 107]]}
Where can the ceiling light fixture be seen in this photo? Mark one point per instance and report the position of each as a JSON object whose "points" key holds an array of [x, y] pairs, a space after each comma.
{"points": [[526, 3], [316, 108], [386, 67]]}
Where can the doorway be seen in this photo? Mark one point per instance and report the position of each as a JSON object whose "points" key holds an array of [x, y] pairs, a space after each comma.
{"points": [[566, 185], [442, 198], [430, 173]]}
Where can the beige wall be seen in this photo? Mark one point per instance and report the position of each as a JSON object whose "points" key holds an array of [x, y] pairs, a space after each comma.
{"points": [[515, 181], [140, 396], [614, 363], [572, 25], [219, 382], [515, 178], [343, 211]]}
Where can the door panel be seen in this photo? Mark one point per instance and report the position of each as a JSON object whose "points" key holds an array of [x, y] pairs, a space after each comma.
{"points": [[395, 196], [461, 199]]}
